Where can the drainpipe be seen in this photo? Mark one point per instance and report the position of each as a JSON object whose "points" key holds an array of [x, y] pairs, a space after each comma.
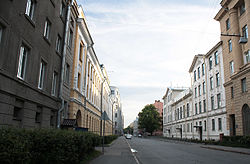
{"points": [[66, 30]]}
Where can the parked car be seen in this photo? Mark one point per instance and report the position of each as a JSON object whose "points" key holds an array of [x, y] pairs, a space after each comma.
{"points": [[128, 136], [139, 135]]}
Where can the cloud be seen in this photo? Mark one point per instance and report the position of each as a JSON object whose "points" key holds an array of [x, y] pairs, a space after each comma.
{"points": [[150, 44]]}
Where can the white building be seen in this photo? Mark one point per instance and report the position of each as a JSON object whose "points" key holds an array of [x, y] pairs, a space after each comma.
{"points": [[117, 111], [199, 113]]}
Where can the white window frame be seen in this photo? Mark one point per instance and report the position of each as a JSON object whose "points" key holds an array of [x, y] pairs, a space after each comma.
{"points": [[58, 43], [54, 83], [30, 7], [47, 29], [23, 55], [1, 33], [41, 75], [231, 67]]}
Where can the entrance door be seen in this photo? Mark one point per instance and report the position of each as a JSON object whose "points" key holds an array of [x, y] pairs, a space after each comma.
{"points": [[232, 125], [246, 120]]}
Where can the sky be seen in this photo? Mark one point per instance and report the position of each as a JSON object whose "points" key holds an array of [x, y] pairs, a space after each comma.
{"points": [[148, 45]]}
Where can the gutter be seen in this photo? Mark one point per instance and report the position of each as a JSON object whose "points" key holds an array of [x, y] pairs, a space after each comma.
{"points": [[63, 63]]}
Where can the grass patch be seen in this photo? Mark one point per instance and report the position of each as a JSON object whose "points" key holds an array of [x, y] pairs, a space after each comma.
{"points": [[92, 155]]}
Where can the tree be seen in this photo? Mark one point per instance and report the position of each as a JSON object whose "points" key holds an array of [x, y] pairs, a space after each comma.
{"points": [[128, 130], [149, 119]]}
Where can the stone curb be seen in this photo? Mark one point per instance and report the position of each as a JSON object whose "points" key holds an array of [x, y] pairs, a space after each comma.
{"points": [[226, 150]]}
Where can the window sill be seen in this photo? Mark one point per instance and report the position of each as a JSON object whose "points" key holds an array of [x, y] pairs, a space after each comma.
{"points": [[47, 40], [30, 20]]}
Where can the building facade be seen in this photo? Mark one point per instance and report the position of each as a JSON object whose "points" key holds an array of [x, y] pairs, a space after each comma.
{"points": [[199, 112], [31, 50], [234, 22], [117, 111], [209, 101]]}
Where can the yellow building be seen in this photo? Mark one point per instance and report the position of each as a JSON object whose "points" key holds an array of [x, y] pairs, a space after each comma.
{"points": [[89, 82]]}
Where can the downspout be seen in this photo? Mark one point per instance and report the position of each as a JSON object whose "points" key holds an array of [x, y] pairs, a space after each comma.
{"points": [[63, 63]]}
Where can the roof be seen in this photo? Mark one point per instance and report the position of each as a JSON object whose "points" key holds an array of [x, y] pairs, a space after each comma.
{"points": [[214, 48], [194, 61], [69, 123]]}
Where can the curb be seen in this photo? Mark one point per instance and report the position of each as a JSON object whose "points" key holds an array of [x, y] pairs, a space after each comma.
{"points": [[226, 150]]}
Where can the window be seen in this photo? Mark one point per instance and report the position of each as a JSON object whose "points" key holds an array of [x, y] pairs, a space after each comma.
{"points": [[184, 112], [210, 62], [243, 85], [205, 125], [194, 75], [199, 89], [230, 45], [200, 107], [191, 127], [58, 43], [216, 58], [242, 8], [204, 105], [115, 115], [211, 83], [245, 31], [231, 67], [38, 117], [181, 112], [47, 29], [54, 83], [62, 9], [196, 110], [203, 69], [41, 75], [199, 74], [217, 79], [212, 102], [70, 38], [22, 62], [30, 7], [232, 92], [218, 101], [17, 113], [228, 24], [219, 124], [1, 33], [79, 81], [195, 91], [213, 125], [80, 51], [66, 73], [203, 88], [187, 110], [247, 55]]}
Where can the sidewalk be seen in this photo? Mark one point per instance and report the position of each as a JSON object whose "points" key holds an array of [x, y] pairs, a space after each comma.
{"points": [[118, 152]]}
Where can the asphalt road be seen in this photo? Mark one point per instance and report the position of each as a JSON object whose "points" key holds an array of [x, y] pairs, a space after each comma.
{"points": [[155, 151], [151, 151]]}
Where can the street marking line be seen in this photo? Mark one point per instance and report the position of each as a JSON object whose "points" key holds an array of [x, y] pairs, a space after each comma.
{"points": [[137, 161]]}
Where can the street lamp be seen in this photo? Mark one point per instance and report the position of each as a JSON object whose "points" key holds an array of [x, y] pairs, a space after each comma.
{"points": [[243, 40]]}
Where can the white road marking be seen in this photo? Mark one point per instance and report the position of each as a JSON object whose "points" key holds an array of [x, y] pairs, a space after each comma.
{"points": [[133, 153]]}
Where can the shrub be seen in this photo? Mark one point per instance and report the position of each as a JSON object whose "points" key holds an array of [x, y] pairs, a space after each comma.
{"points": [[45, 145]]}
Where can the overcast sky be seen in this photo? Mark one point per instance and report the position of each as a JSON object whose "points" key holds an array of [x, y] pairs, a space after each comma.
{"points": [[148, 45]]}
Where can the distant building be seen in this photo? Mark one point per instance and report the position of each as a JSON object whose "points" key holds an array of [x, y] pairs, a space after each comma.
{"points": [[234, 18], [159, 108], [118, 118]]}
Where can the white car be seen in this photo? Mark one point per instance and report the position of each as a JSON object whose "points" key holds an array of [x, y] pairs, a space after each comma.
{"points": [[128, 136]]}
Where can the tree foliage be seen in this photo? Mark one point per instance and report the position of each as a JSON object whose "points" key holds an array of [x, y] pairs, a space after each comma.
{"points": [[128, 130], [149, 119]]}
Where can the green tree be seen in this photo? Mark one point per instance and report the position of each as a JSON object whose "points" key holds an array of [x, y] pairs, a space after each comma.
{"points": [[128, 130], [149, 119]]}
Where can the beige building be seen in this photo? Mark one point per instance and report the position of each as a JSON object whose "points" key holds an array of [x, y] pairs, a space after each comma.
{"points": [[90, 88], [234, 22]]}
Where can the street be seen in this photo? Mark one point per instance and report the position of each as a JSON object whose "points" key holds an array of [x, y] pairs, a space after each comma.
{"points": [[155, 151]]}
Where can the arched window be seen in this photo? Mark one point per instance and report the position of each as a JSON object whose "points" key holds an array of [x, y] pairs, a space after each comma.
{"points": [[246, 120]]}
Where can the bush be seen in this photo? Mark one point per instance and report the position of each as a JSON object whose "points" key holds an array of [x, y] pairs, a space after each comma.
{"points": [[109, 139], [237, 141], [45, 145]]}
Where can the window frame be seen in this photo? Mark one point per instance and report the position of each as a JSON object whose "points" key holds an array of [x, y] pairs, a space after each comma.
{"points": [[47, 29], [54, 83], [216, 59], [211, 83], [30, 9], [58, 43], [42, 72], [210, 59], [219, 124], [22, 65], [231, 66], [218, 100], [203, 69], [217, 79], [228, 24], [245, 32], [243, 85], [213, 124], [204, 106], [212, 103], [230, 46]]}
